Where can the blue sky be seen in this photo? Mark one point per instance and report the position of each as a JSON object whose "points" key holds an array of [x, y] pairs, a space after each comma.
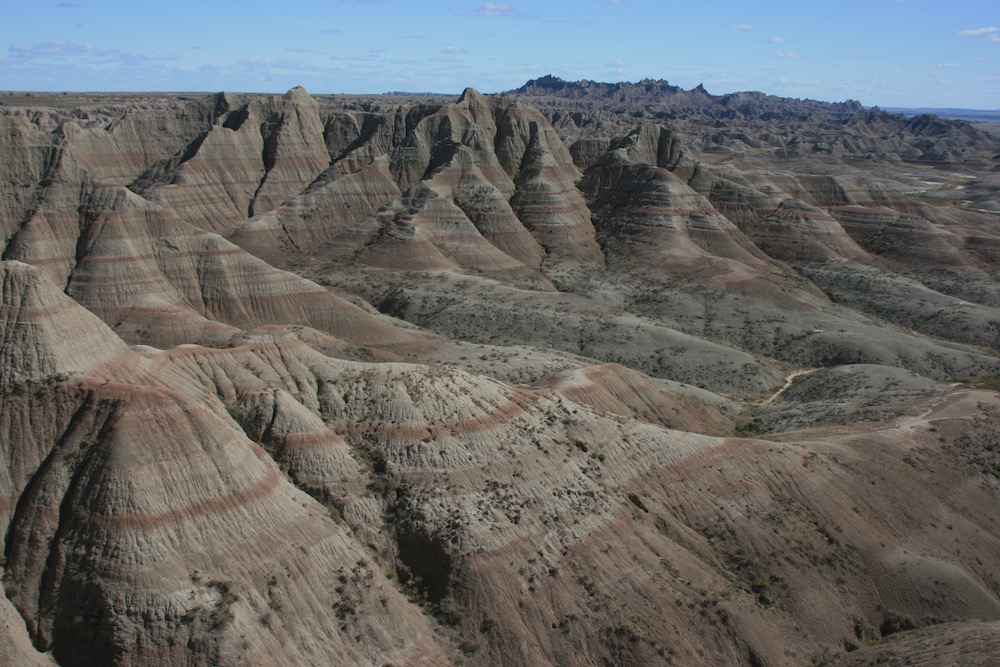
{"points": [[882, 52]]}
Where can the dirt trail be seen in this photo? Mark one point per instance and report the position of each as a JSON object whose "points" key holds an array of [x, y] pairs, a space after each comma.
{"points": [[789, 379]]}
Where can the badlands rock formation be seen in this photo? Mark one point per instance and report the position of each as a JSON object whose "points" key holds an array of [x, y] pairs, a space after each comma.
{"points": [[638, 376]]}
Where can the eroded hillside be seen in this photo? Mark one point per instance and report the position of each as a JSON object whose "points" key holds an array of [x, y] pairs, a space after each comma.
{"points": [[640, 376]]}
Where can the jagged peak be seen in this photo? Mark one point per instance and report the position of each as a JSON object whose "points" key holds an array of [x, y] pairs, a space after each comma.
{"points": [[472, 96], [297, 93], [672, 98], [223, 103], [548, 81]]}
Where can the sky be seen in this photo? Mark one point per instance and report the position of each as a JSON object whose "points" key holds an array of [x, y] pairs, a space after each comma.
{"points": [[888, 53]]}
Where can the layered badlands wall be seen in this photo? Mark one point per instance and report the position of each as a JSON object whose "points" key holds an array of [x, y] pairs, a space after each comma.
{"points": [[203, 468]]}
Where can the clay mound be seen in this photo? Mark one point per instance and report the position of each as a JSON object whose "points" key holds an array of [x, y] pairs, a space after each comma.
{"points": [[45, 340], [294, 150], [215, 186], [465, 152], [428, 232], [939, 299], [901, 237], [828, 190], [151, 277], [798, 231], [471, 151], [103, 466], [376, 129], [270, 385], [46, 230], [618, 390], [444, 435], [241, 594], [44, 334], [433, 422]]}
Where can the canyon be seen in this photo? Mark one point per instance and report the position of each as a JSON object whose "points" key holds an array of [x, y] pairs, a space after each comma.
{"points": [[578, 374]]}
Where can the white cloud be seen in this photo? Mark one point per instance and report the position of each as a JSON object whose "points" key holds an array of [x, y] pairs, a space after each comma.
{"points": [[451, 49], [502, 9], [990, 34], [370, 56], [787, 55], [980, 32], [59, 49], [743, 26], [777, 40], [616, 69], [84, 55]]}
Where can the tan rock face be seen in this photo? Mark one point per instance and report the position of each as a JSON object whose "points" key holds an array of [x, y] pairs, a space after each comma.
{"points": [[549, 204], [647, 210], [331, 220], [46, 333], [29, 151], [294, 380], [252, 159]]}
